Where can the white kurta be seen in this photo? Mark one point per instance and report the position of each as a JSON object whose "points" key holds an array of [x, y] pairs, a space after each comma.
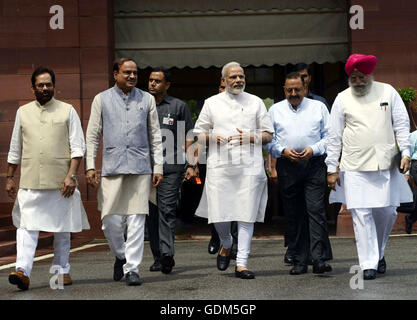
{"points": [[48, 210], [371, 189], [374, 189], [236, 183], [124, 194]]}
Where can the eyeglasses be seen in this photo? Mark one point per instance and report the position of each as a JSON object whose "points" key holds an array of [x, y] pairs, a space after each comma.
{"points": [[41, 85], [290, 90]]}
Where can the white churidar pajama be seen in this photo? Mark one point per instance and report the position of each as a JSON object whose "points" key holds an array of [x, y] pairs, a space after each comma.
{"points": [[245, 232], [47, 210]]}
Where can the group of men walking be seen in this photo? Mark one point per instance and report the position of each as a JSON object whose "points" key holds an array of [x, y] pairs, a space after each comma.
{"points": [[141, 174]]}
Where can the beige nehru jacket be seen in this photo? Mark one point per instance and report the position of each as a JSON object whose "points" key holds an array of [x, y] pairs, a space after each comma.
{"points": [[368, 138], [46, 152]]}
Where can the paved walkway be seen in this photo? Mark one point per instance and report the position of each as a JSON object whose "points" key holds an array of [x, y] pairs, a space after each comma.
{"points": [[195, 276]]}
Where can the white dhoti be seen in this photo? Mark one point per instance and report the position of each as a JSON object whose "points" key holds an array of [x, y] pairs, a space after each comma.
{"points": [[123, 202], [372, 198]]}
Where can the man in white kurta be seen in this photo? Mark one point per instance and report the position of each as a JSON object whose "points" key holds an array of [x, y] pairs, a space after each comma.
{"points": [[236, 124], [127, 119], [48, 143], [368, 125]]}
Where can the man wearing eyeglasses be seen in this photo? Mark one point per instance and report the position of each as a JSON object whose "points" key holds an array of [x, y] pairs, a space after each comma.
{"points": [[299, 144], [48, 144], [127, 120]]}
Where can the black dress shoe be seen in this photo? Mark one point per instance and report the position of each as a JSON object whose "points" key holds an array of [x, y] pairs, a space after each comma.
{"points": [[369, 274], [382, 266], [213, 246], [244, 274], [408, 225], [167, 262], [132, 279], [298, 269], [321, 267], [156, 266], [118, 269], [223, 262], [288, 258]]}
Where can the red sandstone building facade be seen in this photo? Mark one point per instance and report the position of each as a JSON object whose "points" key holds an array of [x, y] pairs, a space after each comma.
{"points": [[95, 32]]}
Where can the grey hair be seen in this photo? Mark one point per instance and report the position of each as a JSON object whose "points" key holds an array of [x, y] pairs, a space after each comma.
{"points": [[227, 66]]}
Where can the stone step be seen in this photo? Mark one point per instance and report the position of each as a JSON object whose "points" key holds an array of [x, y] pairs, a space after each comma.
{"points": [[8, 248], [6, 219], [7, 233]]}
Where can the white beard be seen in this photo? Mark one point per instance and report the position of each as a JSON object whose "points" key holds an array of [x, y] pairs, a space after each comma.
{"points": [[360, 92], [234, 91]]}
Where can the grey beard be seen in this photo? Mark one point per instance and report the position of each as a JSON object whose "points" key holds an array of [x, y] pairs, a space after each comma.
{"points": [[359, 92]]}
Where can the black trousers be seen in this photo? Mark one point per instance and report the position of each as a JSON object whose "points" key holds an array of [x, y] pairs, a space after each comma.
{"points": [[233, 230], [162, 218], [302, 188]]}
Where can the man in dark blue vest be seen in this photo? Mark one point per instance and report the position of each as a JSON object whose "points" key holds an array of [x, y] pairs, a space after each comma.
{"points": [[127, 119]]}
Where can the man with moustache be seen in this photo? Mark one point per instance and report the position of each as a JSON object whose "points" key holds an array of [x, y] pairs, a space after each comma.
{"points": [[132, 160], [236, 125], [290, 233], [175, 121], [48, 143], [299, 144], [368, 125]]}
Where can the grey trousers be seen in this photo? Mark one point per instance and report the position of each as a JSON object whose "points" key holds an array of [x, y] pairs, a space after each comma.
{"points": [[161, 220]]}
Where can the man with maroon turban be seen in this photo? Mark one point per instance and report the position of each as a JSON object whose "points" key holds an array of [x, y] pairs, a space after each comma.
{"points": [[369, 128]]}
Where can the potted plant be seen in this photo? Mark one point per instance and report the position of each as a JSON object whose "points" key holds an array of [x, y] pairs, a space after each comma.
{"points": [[408, 95]]}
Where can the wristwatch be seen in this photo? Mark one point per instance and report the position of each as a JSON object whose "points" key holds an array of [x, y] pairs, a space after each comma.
{"points": [[74, 178], [191, 166]]}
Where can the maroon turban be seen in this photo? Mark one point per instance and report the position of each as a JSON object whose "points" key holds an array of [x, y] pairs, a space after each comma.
{"points": [[364, 64]]}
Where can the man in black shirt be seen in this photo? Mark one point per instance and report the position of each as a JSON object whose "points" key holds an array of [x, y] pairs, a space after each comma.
{"points": [[175, 121]]}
